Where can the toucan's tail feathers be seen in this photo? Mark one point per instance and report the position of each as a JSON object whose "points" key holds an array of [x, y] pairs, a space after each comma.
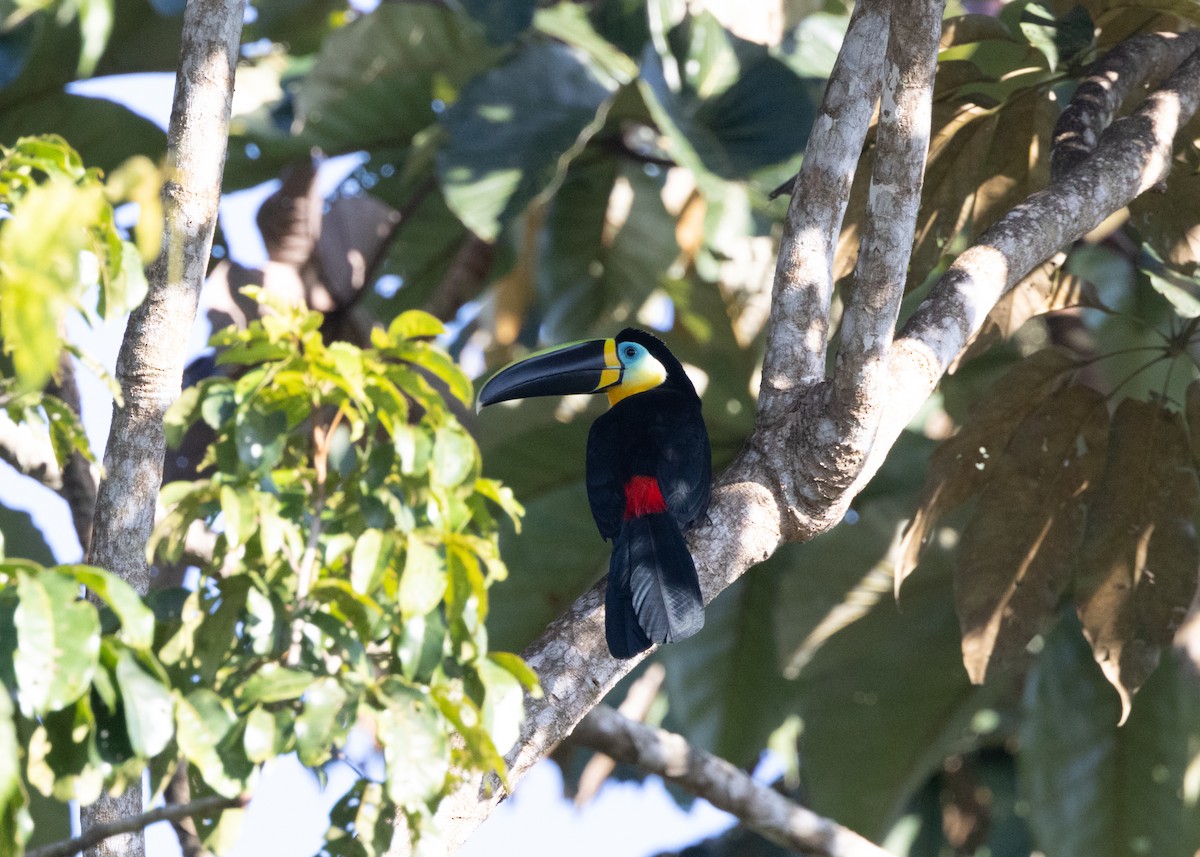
{"points": [[653, 592]]}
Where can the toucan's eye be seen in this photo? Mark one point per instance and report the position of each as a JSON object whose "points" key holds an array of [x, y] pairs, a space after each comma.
{"points": [[630, 352]]}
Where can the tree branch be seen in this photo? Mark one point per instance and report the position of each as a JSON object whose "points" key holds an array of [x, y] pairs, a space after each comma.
{"points": [[1108, 84], [798, 329], [100, 832], [78, 486], [842, 439], [150, 363], [722, 784]]}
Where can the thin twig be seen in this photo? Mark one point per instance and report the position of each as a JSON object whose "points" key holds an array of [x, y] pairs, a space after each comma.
{"points": [[100, 832]]}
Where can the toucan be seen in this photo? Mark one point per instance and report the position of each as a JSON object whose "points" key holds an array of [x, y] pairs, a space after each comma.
{"points": [[649, 473]]}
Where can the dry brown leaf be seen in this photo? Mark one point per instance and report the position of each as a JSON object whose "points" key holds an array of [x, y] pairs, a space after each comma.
{"points": [[962, 465], [1016, 556], [1138, 564]]}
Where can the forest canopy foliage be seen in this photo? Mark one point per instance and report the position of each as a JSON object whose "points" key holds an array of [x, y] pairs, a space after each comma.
{"points": [[531, 173]]}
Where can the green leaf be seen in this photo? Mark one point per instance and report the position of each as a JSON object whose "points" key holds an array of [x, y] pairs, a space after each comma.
{"points": [[514, 130], [148, 705], [372, 555], [323, 722], [1095, 789], [203, 723], [416, 748], [238, 509], [454, 456], [423, 582], [436, 362], [414, 324], [262, 738], [58, 640], [260, 438], [21, 538], [502, 20], [12, 797], [376, 79], [274, 683], [716, 98], [503, 704], [88, 123], [422, 645], [520, 670], [41, 245], [724, 686], [137, 620]]}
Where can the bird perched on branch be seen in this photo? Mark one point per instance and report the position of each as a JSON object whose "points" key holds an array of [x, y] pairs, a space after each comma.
{"points": [[649, 472]]}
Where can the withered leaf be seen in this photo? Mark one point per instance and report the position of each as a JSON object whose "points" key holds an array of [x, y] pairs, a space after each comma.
{"points": [[962, 464], [1138, 563], [1016, 556]]}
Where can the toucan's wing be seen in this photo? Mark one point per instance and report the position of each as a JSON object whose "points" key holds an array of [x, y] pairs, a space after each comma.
{"points": [[605, 488], [685, 462]]}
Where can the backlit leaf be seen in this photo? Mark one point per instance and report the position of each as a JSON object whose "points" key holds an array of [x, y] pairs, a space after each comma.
{"points": [[1137, 568], [416, 748], [148, 705], [58, 642], [137, 620], [961, 465], [203, 722], [1016, 556]]}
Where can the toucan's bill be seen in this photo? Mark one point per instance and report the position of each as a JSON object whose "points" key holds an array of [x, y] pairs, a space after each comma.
{"points": [[581, 367]]}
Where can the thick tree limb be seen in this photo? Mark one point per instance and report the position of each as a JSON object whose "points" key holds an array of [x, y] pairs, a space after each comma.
{"points": [[150, 363], [101, 832], [722, 784], [799, 324], [757, 503], [1108, 84], [842, 437]]}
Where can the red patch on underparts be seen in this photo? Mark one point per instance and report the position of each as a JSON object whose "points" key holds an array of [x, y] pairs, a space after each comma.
{"points": [[642, 497]]}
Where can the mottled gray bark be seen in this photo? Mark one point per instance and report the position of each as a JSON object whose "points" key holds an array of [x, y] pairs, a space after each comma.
{"points": [[798, 330], [150, 363]]}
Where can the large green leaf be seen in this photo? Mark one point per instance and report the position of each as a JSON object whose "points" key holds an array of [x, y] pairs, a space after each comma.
{"points": [[204, 722], [58, 639], [513, 131], [375, 80], [21, 537], [717, 99], [103, 132], [416, 748], [148, 707], [1098, 790], [724, 685]]}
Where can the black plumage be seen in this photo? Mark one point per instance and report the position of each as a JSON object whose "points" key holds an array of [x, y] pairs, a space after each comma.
{"points": [[649, 472]]}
